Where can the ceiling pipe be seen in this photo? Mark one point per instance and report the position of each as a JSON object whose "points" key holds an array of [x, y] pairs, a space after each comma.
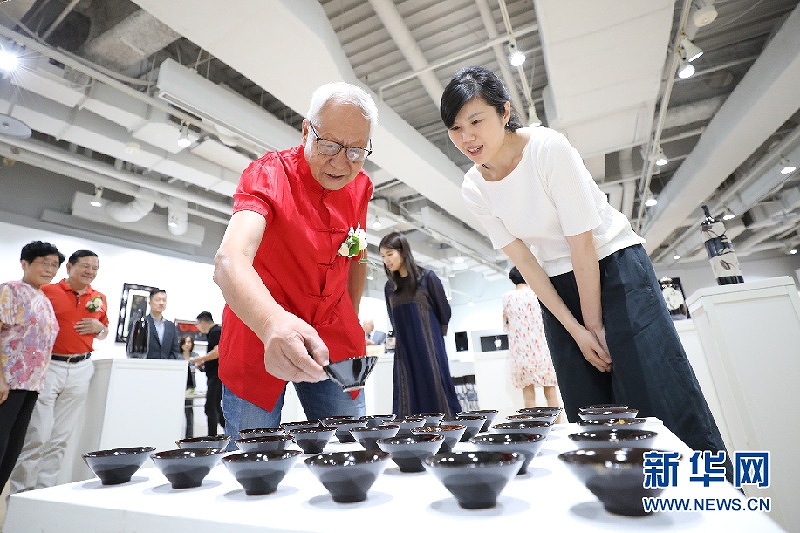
{"points": [[61, 16], [133, 211], [177, 219]]}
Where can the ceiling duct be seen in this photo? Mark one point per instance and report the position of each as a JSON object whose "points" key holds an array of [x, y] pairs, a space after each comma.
{"points": [[177, 217], [132, 211]]}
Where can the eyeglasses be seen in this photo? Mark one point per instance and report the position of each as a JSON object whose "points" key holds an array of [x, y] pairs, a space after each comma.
{"points": [[47, 264], [331, 148]]}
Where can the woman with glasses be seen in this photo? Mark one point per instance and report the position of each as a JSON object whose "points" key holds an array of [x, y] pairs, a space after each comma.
{"points": [[292, 268], [419, 312], [28, 329], [609, 332]]}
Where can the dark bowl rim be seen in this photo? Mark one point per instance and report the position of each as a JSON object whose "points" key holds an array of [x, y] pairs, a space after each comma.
{"points": [[314, 430], [119, 452], [604, 406], [378, 456], [434, 437], [207, 438], [300, 423], [630, 435], [522, 424], [204, 452], [430, 460], [610, 421], [529, 437], [275, 456], [609, 410], [266, 438], [602, 453], [477, 411], [374, 428]]}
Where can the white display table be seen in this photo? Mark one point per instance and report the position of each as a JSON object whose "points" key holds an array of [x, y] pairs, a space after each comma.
{"points": [[548, 498], [130, 402], [750, 334]]}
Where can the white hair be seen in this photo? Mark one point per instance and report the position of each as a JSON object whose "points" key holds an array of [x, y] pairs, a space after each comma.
{"points": [[341, 92]]}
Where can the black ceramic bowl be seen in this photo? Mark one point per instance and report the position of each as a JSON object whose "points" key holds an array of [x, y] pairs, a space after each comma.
{"points": [[533, 427], [260, 432], [473, 423], [267, 443], [117, 465], [607, 412], [406, 423], [313, 440], [543, 410], [260, 473], [289, 426], [474, 478], [524, 443], [488, 413], [431, 419], [348, 475], [544, 417], [614, 438], [615, 476], [343, 427], [186, 468], [451, 433], [351, 374], [207, 441], [603, 406], [377, 420], [612, 423], [408, 452], [368, 436]]}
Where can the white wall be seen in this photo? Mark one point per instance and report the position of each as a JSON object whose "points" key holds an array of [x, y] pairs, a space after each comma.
{"points": [[189, 285]]}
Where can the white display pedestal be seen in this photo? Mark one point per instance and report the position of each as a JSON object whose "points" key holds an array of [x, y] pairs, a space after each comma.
{"points": [[131, 402], [750, 334]]}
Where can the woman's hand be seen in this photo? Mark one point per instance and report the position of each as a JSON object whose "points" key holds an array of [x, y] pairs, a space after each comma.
{"points": [[293, 350], [4, 388], [593, 348]]}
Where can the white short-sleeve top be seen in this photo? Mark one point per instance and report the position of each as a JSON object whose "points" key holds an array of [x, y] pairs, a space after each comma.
{"points": [[549, 195]]}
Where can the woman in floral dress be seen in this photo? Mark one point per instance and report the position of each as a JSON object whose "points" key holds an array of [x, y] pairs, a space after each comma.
{"points": [[531, 365], [28, 330]]}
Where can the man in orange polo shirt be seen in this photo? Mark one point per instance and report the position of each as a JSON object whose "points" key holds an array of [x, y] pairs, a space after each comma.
{"points": [[81, 314]]}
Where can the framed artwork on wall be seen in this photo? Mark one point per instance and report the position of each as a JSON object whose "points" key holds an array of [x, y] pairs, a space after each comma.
{"points": [[132, 307], [675, 298], [189, 327]]}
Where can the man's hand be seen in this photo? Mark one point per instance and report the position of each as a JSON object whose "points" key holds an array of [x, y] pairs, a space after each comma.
{"points": [[293, 350], [88, 326]]}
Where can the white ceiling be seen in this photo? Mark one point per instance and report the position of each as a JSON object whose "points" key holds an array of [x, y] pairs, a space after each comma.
{"points": [[108, 111]]}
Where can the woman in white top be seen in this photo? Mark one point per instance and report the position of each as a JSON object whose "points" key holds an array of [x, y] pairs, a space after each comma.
{"points": [[610, 335]]}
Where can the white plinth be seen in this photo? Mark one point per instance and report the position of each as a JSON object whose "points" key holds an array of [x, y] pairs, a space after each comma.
{"points": [[750, 334], [132, 402]]}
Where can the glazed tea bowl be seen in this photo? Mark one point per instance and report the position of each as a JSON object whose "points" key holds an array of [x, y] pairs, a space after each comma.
{"points": [[604, 406], [534, 427], [207, 441], [186, 468], [452, 434], [474, 478], [343, 427], [524, 443], [614, 438], [260, 472], [116, 465], [351, 374], [348, 476], [368, 436], [408, 452], [599, 413], [490, 414], [261, 432], [377, 420], [612, 423], [406, 424], [267, 443], [614, 475], [312, 440], [544, 417], [473, 423], [431, 419], [289, 426], [543, 410]]}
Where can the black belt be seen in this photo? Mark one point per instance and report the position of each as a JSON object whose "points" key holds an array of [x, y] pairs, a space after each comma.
{"points": [[71, 358]]}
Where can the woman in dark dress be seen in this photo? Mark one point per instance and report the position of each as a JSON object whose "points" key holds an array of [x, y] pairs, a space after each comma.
{"points": [[419, 313]]}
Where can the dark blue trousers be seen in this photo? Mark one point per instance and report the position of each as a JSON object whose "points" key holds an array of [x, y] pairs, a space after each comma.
{"points": [[650, 371]]}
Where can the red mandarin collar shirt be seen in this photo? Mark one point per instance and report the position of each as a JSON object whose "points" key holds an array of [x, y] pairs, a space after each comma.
{"points": [[70, 307], [298, 262]]}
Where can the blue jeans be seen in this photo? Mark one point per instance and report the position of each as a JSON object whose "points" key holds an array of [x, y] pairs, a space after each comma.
{"points": [[319, 400]]}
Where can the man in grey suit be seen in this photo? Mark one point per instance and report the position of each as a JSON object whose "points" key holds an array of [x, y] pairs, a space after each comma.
{"points": [[373, 336], [162, 342]]}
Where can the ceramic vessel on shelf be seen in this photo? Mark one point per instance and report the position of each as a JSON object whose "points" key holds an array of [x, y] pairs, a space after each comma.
{"points": [[186, 468], [116, 465], [408, 452], [348, 476], [474, 478], [260, 472]]}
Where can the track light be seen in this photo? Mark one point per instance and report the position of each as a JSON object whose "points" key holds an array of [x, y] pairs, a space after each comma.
{"points": [[651, 201], [690, 50], [793, 251], [97, 200], [9, 61], [183, 139], [515, 57], [533, 116], [728, 216], [788, 167], [686, 70], [676, 257], [661, 157]]}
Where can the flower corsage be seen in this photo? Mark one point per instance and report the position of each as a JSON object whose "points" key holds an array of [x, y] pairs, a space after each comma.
{"points": [[94, 304], [355, 244]]}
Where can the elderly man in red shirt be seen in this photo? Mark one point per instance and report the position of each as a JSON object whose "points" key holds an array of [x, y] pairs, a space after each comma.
{"points": [[292, 289], [81, 314]]}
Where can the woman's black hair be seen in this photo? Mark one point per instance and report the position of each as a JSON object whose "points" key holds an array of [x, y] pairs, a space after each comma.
{"points": [[515, 277], [35, 249], [476, 82], [397, 241], [186, 338]]}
